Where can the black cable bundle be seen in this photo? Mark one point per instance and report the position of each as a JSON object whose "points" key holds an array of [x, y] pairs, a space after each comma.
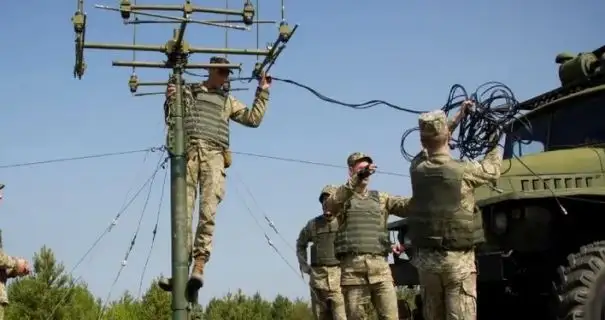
{"points": [[363, 105], [495, 106]]}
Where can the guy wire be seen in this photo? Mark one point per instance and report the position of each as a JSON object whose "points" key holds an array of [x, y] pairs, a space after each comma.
{"points": [[105, 232]]}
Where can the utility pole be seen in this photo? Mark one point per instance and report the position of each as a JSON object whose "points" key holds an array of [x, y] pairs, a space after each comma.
{"points": [[177, 52]]}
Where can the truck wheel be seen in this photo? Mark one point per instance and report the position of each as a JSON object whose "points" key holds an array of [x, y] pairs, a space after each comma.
{"points": [[582, 289]]}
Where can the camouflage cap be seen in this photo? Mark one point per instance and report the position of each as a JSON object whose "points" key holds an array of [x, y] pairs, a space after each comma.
{"points": [[356, 157], [326, 191], [220, 60], [433, 123]]}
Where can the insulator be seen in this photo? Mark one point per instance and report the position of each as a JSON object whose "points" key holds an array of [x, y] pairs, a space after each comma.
{"points": [[248, 13], [78, 21], [284, 32], [125, 9], [133, 83]]}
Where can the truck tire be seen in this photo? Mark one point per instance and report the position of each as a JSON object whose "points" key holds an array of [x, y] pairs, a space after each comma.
{"points": [[582, 288]]}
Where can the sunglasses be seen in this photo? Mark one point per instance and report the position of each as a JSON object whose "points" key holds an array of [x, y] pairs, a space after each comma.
{"points": [[223, 72]]}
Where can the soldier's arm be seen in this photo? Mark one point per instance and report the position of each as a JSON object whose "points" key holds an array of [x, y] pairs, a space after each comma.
{"points": [[167, 108], [486, 171], [6, 261], [251, 117], [336, 201], [302, 243], [455, 121], [394, 205]]}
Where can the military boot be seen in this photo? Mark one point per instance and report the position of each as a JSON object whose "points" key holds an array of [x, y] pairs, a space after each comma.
{"points": [[196, 280], [166, 283]]}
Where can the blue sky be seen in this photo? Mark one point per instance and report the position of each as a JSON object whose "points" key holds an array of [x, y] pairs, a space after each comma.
{"points": [[405, 52]]}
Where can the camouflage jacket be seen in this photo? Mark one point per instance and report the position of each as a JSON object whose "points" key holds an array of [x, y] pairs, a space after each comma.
{"points": [[389, 204], [7, 263], [477, 173], [321, 277], [234, 110]]}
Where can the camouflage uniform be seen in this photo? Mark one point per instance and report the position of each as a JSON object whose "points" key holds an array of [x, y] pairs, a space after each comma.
{"points": [[327, 302], [362, 245], [206, 124], [445, 224], [7, 264]]}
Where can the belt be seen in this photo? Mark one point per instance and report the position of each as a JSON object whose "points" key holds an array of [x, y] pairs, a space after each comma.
{"points": [[324, 265]]}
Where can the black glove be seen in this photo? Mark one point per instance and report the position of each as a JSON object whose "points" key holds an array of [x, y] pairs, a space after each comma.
{"points": [[364, 173]]}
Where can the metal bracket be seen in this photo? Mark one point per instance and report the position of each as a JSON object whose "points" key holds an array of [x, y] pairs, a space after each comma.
{"points": [[275, 49]]}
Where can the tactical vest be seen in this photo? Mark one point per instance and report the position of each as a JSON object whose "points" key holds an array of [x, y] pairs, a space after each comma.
{"points": [[363, 227], [205, 119], [3, 278], [323, 234], [437, 220]]}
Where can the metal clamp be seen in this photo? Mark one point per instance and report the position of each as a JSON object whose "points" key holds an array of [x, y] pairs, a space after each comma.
{"points": [[275, 49]]}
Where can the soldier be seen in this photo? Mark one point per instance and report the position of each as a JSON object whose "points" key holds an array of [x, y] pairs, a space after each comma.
{"points": [[362, 242], [327, 301], [208, 109], [10, 267], [444, 223]]}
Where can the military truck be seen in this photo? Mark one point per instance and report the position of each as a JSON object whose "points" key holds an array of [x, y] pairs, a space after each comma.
{"points": [[545, 219]]}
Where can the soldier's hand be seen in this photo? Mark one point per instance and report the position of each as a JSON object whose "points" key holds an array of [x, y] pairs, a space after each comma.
{"points": [[398, 248], [264, 81], [372, 167], [466, 106], [170, 90], [22, 267], [367, 171]]}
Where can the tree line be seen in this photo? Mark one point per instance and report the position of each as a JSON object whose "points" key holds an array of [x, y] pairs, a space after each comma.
{"points": [[53, 294]]}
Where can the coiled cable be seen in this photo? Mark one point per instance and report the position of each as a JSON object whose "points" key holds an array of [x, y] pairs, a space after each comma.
{"points": [[495, 107]]}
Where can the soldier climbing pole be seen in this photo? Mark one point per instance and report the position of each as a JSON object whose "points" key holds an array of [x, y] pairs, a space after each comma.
{"points": [[177, 51]]}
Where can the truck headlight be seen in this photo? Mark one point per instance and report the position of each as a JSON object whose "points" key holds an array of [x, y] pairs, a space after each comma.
{"points": [[500, 222]]}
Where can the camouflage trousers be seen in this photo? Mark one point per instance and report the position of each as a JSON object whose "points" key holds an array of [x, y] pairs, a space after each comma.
{"points": [[206, 178], [382, 296], [449, 295], [2, 310], [328, 305], [368, 277]]}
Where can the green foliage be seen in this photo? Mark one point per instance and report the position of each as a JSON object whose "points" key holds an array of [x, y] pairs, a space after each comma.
{"points": [[125, 308], [52, 294], [238, 306], [50, 291]]}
